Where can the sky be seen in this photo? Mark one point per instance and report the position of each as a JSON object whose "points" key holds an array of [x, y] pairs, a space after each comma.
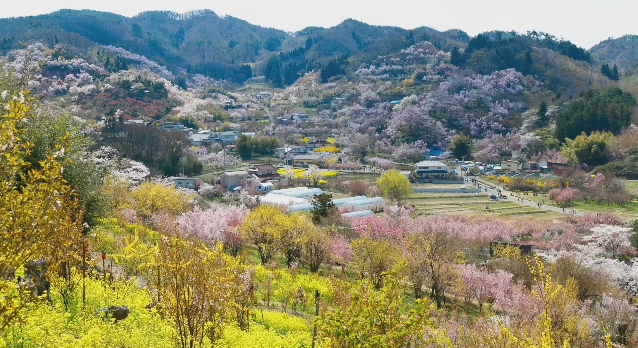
{"points": [[584, 22]]}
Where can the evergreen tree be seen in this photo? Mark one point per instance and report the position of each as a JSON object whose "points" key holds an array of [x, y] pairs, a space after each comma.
{"points": [[274, 71], [246, 70], [456, 57], [605, 71], [181, 83], [308, 43], [321, 206], [290, 74], [410, 38], [137, 30], [333, 68], [542, 115], [608, 109], [614, 74], [461, 146], [527, 68]]}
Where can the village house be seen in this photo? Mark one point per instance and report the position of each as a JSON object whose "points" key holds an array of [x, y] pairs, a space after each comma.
{"points": [[432, 169], [228, 137], [306, 160], [300, 117], [296, 150], [203, 138], [188, 183], [433, 151], [316, 143], [553, 168], [263, 96], [531, 167], [230, 180], [264, 172], [509, 167], [174, 126]]}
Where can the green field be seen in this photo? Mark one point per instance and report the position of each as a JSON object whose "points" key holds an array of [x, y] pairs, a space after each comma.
{"points": [[469, 203]]}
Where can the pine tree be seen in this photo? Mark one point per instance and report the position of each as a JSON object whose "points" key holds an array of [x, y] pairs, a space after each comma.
{"points": [[321, 206], [542, 115], [614, 74], [605, 71], [527, 68], [410, 38], [456, 57]]}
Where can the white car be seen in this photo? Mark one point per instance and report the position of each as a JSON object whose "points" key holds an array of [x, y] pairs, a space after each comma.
{"points": [[463, 187]]}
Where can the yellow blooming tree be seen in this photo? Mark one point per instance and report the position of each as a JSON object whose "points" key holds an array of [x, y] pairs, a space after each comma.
{"points": [[559, 324], [394, 185], [263, 227], [157, 198], [37, 219], [200, 289]]}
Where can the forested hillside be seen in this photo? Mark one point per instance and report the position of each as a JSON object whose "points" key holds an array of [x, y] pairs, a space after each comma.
{"points": [[622, 52], [202, 42]]}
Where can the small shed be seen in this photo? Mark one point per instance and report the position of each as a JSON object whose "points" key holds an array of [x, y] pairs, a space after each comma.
{"points": [[266, 187]]}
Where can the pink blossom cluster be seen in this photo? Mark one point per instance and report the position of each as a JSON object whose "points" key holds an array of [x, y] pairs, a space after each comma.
{"points": [[76, 64], [563, 196], [497, 288], [380, 72], [216, 159], [341, 252], [551, 155], [213, 224], [409, 153], [392, 224], [382, 163], [142, 61]]}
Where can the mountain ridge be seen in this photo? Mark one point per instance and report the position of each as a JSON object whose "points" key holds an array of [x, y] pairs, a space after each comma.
{"points": [[201, 41]]}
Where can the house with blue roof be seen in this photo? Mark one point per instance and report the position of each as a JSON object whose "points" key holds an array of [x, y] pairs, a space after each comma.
{"points": [[433, 151]]}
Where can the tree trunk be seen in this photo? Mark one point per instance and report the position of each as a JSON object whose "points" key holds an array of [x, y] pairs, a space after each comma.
{"points": [[436, 295], [418, 291]]}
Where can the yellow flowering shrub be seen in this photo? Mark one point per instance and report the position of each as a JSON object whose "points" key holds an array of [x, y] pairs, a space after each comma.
{"points": [[80, 326], [259, 336], [37, 217]]}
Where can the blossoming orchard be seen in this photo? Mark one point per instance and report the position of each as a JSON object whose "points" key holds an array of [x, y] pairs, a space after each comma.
{"points": [[190, 180]]}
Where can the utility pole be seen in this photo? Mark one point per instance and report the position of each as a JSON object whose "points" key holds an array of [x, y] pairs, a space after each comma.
{"points": [[314, 332], [183, 161], [83, 270]]}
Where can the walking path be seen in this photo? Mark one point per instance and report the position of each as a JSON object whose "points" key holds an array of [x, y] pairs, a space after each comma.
{"points": [[512, 197]]}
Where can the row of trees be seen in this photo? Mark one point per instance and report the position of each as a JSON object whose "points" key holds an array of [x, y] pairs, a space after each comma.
{"points": [[163, 151], [612, 74], [247, 146]]}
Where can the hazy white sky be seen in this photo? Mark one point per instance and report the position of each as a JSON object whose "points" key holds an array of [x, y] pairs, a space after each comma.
{"points": [[585, 22]]}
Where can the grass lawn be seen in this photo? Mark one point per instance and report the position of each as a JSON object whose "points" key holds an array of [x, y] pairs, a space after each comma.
{"points": [[629, 210], [439, 186]]}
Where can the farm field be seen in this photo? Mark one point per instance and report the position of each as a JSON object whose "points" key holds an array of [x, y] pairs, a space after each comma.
{"points": [[628, 211], [467, 203]]}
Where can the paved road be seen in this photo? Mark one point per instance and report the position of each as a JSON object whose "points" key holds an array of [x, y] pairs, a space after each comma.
{"points": [[272, 118], [511, 197]]}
